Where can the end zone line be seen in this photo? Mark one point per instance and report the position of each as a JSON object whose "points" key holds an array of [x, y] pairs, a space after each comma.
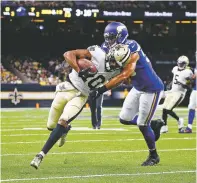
{"points": [[101, 175], [102, 152]]}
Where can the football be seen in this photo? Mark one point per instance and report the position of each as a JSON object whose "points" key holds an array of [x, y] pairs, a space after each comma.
{"points": [[84, 64]]}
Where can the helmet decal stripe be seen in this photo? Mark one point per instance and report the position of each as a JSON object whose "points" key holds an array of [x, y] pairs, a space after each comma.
{"points": [[126, 56]]}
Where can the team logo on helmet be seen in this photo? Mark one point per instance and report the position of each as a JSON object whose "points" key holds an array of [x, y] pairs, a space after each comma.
{"points": [[121, 53], [120, 28]]}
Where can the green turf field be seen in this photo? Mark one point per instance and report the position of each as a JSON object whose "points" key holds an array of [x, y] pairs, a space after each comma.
{"points": [[110, 155]]}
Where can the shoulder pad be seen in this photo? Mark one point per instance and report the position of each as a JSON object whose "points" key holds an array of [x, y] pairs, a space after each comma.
{"points": [[134, 46], [174, 69]]}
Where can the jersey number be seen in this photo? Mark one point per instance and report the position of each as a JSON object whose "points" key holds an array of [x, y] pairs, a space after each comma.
{"points": [[93, 83], [96, 81], [176, 79]]}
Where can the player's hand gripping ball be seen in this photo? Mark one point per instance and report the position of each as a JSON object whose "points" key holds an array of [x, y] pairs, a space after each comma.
{"points": [[84, 64], [87, 68]]}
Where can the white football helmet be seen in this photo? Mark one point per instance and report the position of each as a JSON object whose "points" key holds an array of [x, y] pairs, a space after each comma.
{"points": [[182, 62], [121, 53], [117, 56]]}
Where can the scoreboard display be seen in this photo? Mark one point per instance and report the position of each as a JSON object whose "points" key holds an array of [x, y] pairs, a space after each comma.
{"points": [[42, 12], [66, 12]]}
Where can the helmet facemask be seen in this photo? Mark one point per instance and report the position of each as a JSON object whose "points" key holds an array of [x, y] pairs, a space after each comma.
{"points": [[110, 62], [182, 65], [110, 39]]}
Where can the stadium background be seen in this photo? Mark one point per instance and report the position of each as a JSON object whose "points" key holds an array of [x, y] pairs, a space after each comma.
{"points": [[36, 34]]}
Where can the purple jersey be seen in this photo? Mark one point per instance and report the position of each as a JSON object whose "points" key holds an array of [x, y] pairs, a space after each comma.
{"points": [[144, 77]]}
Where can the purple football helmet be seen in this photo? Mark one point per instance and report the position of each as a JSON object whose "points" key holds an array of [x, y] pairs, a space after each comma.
{"points": [[115, 33]]}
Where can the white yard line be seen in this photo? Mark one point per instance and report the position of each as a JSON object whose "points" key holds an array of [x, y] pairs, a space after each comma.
{"points": [[79, 118], [73, 129], [70, 134], [41, 134], [79, 128], [24, 116], [85, 109], [87, 141], [113, 131], [102, 152], [24, 125], [100, 175]]}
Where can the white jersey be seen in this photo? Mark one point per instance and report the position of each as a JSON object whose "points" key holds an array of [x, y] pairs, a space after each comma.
{"points": [[99, 79], [180, 76]]}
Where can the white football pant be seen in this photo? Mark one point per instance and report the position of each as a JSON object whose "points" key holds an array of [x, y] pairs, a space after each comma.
{"points": [[140, 103]]}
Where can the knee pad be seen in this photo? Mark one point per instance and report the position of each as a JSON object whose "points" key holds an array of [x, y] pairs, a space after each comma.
{"points": [[124, 122]]}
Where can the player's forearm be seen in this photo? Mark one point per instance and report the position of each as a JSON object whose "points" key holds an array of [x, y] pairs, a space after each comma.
{"points": [[117, 80], [114, 82], [71, 58], [126, 73]]}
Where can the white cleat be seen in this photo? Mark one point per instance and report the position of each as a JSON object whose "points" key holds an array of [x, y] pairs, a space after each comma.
{"points": [[181, 123], [36, 161], [164, 129], [62, 140]]}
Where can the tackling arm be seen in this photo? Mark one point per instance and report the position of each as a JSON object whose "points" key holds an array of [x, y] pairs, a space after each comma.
{"points": [[126, 73], [72, 56]]}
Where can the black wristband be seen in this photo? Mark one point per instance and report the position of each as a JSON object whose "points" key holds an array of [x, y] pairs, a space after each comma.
{"points": [[102, 89]]}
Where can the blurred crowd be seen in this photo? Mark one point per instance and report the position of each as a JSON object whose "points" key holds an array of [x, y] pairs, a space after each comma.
{"points": [[107, 5], [33, 71], [54, 71], [8, 77]]}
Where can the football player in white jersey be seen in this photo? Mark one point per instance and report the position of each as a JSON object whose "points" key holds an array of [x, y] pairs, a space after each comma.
{"points": [[192, 104], [182, 76], [71, 95]]}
